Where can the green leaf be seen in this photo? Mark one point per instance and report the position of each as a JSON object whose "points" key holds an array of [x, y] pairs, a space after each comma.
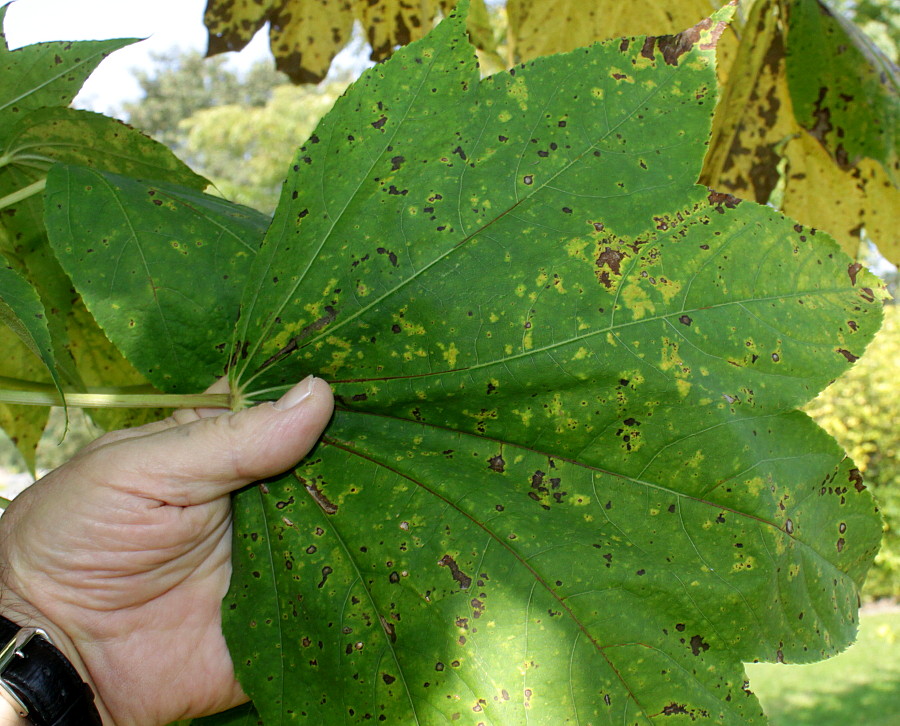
{"points": [[160, 266], [21, 309], [845, 92], [90, 139], [566, 481], [241, 716], [46, 74]]}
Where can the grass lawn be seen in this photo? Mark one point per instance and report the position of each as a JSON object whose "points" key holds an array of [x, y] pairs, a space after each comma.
{"points": [[860, 687]]}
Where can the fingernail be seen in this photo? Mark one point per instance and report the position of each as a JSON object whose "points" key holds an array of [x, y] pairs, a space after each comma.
{"points": [[296, 395]]}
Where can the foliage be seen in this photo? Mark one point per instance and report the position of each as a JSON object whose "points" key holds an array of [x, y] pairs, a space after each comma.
{"points": [[235, 129], [533, 440], [859, 686], [861, 412], [38, 129], [792, 97], [567, 477], [810, 107]]}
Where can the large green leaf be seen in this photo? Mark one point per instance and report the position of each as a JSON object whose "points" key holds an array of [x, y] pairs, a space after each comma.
{"points": [[46, 74], [566, 481], [160, 266]]}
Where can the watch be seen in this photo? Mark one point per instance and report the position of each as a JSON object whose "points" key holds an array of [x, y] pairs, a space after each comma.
{"points": [[41, 682]]}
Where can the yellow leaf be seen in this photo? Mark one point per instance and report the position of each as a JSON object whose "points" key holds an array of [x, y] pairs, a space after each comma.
{"points": [[820, 194], [305, 35], [754, 116], [540, 27], [24, 423], [232, 23], [100, 364]]}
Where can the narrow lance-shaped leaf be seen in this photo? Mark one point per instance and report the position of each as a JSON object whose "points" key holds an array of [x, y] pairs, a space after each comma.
{"points": [[23, 424], [565, 481], [160, 266], [22, 311]]}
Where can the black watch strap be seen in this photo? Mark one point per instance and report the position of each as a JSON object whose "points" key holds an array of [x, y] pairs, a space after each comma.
{"points": [[42, 680]]}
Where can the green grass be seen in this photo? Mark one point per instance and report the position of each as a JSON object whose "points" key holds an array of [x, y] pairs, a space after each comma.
{"points": [[860, 687]]}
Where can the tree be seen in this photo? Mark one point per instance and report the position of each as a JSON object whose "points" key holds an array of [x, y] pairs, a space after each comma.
{"points": [[180, 84], [242, 150]]}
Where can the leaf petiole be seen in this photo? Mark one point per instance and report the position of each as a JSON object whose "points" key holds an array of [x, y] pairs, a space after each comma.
{"points": [[116, 400], [23, 193]]}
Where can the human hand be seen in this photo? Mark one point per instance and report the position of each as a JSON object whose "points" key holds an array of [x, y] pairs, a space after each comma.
{"points": [[124, 553]]}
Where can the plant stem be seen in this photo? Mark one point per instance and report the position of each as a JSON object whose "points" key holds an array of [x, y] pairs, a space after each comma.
{"points": [[94, 399], [17, 196]]}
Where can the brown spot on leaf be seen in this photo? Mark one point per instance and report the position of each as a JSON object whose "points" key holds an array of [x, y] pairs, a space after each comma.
{"points": [[856, 478], [389, 629], [496, 463], [326, 571], [319, 497], [674, 708], [457, 574], [719, 199], [611, 259], [675, 46], [698, 644]]}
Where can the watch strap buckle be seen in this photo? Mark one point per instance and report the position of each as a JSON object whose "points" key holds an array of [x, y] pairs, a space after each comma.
{"points": [[13, 649]]}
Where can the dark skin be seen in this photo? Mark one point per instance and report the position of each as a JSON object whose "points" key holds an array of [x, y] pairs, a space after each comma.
{"points": [[124, 553]]}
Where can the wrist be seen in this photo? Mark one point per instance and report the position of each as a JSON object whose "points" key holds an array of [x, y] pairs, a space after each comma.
{"points": [[8, 714], [65, 659]]}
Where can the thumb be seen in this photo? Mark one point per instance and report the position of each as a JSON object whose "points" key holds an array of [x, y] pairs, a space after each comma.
{"points": [[199, 461]]}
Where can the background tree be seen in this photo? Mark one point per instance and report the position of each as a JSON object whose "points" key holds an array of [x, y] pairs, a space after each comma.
{"points": [[180, 83], [235, 128]]}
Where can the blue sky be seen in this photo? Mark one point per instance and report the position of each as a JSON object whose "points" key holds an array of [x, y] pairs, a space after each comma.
{"points": [[164, 23]]}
